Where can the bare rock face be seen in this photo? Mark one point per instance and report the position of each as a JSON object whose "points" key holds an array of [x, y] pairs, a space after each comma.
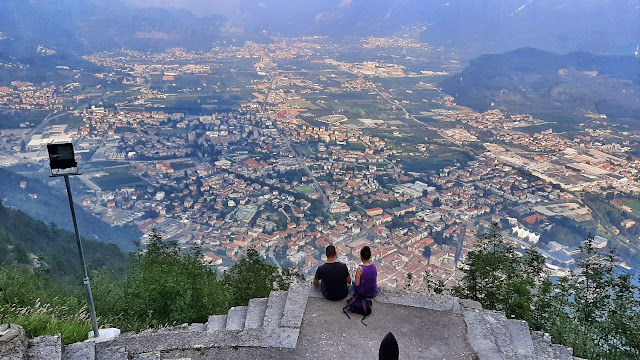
{"points": [[13, 342]]}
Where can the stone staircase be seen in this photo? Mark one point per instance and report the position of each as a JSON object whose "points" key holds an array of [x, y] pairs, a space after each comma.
{"points": [[272, 326]]}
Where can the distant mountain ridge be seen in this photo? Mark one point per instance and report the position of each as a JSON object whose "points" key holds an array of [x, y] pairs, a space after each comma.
{"points": [[85, 26], [533, 81], [472, 27]]}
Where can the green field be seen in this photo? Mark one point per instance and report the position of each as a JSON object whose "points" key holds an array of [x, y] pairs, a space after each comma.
{"points": [[635, 205], [435, 161], [181, 165], [305, 189], [118, 177], [356, 146], [302, 149]]}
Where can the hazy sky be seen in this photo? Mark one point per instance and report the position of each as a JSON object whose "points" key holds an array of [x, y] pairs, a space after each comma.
{"points": [[198, 7]]}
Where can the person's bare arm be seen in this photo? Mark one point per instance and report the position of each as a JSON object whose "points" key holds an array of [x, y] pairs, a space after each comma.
{"points": [[316, 282], [358, 275], [349, 279]]}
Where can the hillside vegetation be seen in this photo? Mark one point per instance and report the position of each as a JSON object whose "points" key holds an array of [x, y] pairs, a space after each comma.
{"points": [[538, 82], [162, 287], [51, 204], [32, 243], [595, 310]]}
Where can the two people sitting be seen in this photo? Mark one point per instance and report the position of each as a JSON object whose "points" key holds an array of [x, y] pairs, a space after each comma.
{"points": [[333, 277]]}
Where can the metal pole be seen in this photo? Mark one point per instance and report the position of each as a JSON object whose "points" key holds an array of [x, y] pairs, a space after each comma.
{"points": [[84, 265]]}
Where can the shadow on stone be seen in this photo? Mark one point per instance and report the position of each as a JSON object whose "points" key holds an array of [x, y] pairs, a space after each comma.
{"points": [[389, 348]]}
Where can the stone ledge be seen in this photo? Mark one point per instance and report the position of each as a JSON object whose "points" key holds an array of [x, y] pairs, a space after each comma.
{"points": [[480, 336], [279, 337], [419, 300], [45, 347], [79, 351]]}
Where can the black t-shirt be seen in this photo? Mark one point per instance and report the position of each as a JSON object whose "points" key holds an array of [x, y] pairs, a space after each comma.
{"points": [[333, 278]]}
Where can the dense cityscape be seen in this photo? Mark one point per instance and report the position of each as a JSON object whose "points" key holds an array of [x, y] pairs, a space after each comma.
{"points": [[290, 146]]}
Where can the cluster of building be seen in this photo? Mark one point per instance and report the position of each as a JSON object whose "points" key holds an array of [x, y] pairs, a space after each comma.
{"points": [[263, 176], [22, 95]]}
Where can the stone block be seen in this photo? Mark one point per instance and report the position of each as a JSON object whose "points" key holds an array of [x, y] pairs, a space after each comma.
{"points": [[197, 327], [79, 351], [480, 336], [425, 301], [45, 347], [562, 352], [294, 307], [216, 322], [13, 342], [236, 318], [501, 337], [521, 339], [470, 304], [112, 353], [255, 313], [275, 309], [155, 355], [542, 345]]}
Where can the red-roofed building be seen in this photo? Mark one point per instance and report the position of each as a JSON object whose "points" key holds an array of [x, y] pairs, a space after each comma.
{"points": [[534, 219]]}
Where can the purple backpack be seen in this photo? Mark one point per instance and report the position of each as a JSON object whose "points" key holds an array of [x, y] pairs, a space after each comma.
{"points": [[358, 305]]}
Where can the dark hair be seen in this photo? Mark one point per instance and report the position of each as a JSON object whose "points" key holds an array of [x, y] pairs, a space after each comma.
{"points": [[330, 251], [365, 253]]}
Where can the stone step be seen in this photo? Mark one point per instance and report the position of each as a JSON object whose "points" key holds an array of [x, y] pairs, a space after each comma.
{"points": [[294, 307], [542, 345], [45, 348], [112, 353], [79, 351], [562, 352], [521, 339], [197, 327], [501, 337], [255, 313], [155, 355], [236, 318], [275, 309], [480, 335], [216, 322], [130, 348]]}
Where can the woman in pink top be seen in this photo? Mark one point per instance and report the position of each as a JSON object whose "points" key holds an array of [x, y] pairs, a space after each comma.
{"points": [[366, 282]]}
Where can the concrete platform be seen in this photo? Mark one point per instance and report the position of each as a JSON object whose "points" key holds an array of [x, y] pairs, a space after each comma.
{"points": [[326, 333]]}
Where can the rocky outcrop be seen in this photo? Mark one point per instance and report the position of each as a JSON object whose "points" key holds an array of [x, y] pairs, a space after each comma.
{"points": [[13, 342]]}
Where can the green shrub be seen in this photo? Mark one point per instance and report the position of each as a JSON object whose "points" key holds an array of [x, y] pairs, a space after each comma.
{"points": [[163, 287], [41, 307], [45, 319]]}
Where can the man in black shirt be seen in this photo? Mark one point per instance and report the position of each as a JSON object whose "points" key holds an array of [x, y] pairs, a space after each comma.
{"points": [[333, 277]]}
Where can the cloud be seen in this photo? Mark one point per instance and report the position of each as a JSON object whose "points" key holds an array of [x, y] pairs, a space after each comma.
{"points": [[345, 3], [262, 5], [325, 16]]}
